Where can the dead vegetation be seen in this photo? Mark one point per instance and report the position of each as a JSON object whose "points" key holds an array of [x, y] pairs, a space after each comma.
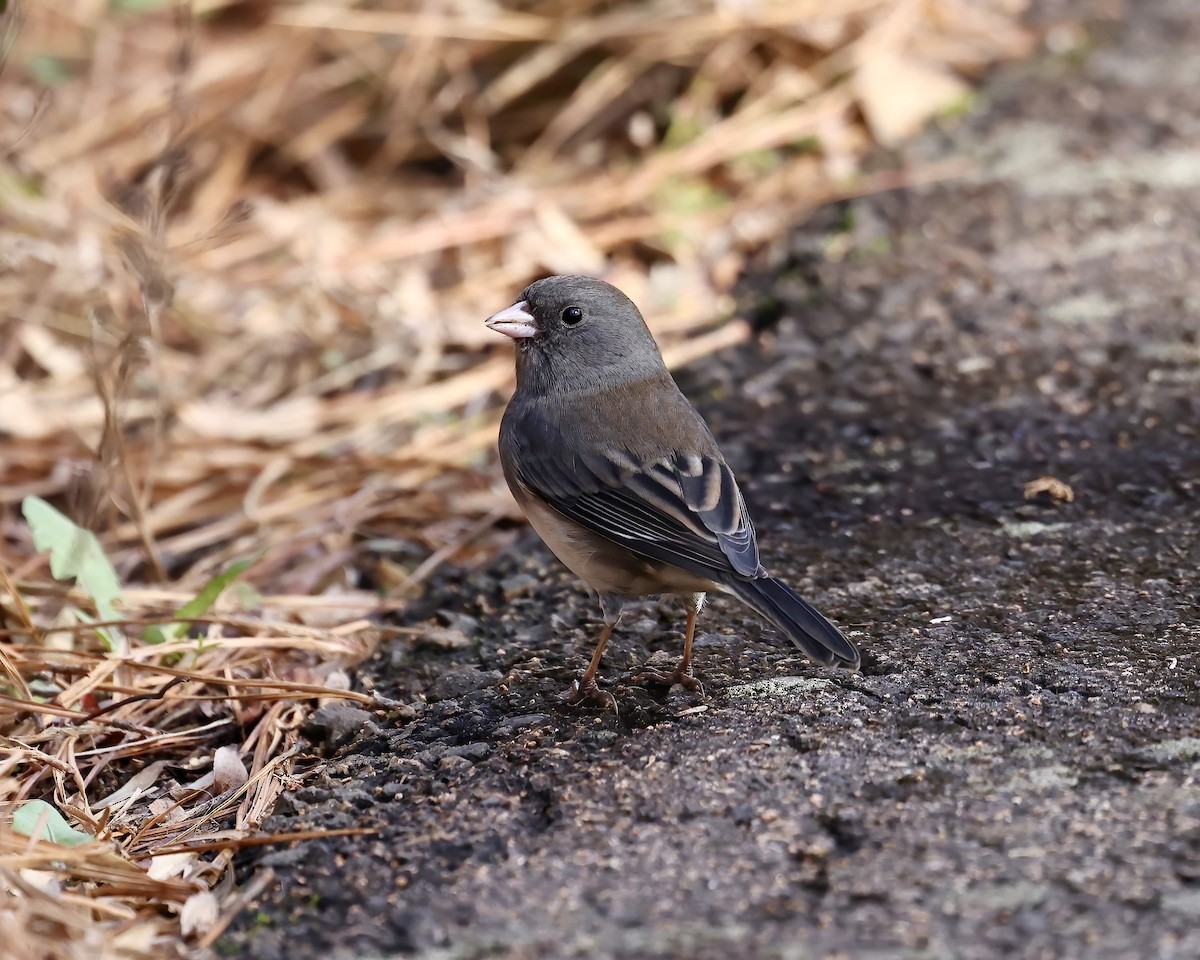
{"points": [[247, 247]]}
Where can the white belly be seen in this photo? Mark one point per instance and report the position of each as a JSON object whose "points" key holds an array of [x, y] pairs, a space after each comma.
{"points": [[604, 566]]}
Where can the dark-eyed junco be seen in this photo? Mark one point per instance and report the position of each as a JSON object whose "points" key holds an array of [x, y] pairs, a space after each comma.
{"points": [[621, 477]]}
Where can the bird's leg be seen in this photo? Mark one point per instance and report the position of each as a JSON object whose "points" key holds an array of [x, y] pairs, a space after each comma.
{"points": [[682, 674], [585, 687]]}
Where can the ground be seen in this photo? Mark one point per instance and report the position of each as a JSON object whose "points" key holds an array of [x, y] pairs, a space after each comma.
{"points": [[1015, 770]]}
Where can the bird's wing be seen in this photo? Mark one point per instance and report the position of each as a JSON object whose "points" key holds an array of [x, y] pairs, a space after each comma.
{"points": [[684, 509]]}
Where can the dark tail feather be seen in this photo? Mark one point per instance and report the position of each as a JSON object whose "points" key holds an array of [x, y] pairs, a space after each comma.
{"points": [[820, 640]]}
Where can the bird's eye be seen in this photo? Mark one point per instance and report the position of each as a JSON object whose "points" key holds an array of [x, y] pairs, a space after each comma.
{"points": [[572, 316]]}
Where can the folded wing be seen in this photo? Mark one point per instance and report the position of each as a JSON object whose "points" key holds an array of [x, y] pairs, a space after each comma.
{"points": [[684, 509]]}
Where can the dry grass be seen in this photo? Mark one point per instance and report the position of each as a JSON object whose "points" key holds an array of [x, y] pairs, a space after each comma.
{"points": [[247, 249]]}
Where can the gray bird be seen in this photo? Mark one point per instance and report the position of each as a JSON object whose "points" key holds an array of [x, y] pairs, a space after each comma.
{"points": [[622, 479]]}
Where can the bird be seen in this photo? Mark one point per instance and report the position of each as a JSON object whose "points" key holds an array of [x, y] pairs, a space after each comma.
{"points": [[621, 477]]}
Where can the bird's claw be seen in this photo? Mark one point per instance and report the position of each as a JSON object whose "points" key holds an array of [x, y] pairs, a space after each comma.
{"points": [[588, 692], [684, 678]]}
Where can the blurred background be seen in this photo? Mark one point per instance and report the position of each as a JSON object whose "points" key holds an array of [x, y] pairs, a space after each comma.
{"points": [[249, 244]]}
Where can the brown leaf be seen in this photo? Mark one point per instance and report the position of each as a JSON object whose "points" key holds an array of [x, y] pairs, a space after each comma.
{"points": [[899, 94]]}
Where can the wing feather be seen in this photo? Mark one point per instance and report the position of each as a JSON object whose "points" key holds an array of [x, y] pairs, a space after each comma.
{"points": [[684, 509]]}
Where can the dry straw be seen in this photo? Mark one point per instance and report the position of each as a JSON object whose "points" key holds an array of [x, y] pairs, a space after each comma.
{"points": [[246, 248]]}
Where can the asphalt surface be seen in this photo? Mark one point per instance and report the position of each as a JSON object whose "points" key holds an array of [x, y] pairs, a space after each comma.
{"points": [[1016, 770]]}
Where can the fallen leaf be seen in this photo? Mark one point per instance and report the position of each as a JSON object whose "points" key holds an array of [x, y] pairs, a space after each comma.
{"points": [[1057, 489], [44, 880], [899, 94], [137, 940], [169, 865], [199, 913], [137, 784], [39, 820], [61, 362], [229, 772], [62, 635]]}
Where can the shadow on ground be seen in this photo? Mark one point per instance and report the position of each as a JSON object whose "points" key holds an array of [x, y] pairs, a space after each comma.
{"points": [[1014, 772]]}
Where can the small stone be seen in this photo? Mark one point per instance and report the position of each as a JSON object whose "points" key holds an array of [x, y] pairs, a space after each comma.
{"points": [[440, 638], [518, 585], [644, 627], [513, 724], [462, 622], [457, 683], [472, 752], [432, 756], [335, 724]]}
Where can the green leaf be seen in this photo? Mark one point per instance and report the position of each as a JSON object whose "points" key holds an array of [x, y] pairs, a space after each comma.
{"points": [[332, 359], [48, 71], [247, 596], [199, 606], [54, 826], [75, 554], [162, 633], [682, 130], [687, 195]]}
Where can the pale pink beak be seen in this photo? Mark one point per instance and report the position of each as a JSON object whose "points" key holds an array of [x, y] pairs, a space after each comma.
{"points": [[515, 321]]}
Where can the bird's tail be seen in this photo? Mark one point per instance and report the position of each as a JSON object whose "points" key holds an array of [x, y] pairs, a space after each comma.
{"points": [[820, 640]]}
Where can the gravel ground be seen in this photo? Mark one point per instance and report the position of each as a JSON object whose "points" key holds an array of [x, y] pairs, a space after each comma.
{"points": [[1014, 773]]}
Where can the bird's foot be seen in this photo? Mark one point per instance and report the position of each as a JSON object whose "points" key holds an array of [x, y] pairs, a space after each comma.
{"points": [[586, 691], [680, 675]]}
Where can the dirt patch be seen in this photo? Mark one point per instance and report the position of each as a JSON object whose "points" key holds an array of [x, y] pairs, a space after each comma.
{"points": [[1014, 771]]}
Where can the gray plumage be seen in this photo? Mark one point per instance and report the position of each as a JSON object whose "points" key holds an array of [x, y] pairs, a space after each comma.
{"points": [[619, 473]]}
